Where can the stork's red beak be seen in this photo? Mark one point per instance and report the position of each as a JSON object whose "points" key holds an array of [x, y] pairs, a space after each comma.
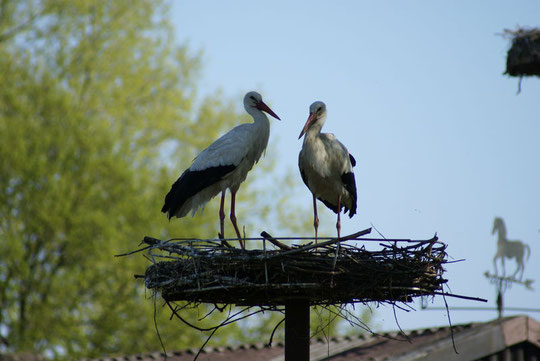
{"points": [[265, 108], [310, 120]]}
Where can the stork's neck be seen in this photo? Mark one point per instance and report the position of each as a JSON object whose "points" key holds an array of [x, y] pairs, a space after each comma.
{"points": [[260, 129], [315, 128], [260, 119]]}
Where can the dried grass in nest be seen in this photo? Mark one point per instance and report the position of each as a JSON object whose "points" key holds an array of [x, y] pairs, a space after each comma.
{"points": [[331, 272], [523, 57]]}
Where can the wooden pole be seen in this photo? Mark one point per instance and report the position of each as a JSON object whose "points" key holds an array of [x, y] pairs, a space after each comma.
{"points": [[297, 330]]}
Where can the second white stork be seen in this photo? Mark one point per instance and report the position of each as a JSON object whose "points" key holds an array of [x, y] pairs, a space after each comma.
{"points": [[326, 167], [223, 165]]}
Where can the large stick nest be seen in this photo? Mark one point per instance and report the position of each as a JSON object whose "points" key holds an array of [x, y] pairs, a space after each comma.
{"points": [[523, 57], [330, 272]]}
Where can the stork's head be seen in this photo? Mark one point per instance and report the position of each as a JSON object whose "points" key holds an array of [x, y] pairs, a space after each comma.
{"points": [[253, 100], [317, 115]]}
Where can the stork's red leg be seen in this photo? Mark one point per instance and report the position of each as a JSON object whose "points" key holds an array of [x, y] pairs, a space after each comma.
{"points": [[315, 217], [338, 223], [233, 220], [222, 216]]}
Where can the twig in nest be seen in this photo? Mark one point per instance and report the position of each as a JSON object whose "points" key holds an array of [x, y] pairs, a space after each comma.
{"points": [[156, 327], [321, 328], [349, 317], [208, 313], [204, 344], [150, 240], [323, 244], [230, 319], [132, 252], [450, 323], [460, 296], [274, 241], [397, 323], [274, 331]]}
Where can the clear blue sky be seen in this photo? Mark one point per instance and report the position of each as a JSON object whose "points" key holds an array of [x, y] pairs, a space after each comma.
{"points": [[415, 90]]}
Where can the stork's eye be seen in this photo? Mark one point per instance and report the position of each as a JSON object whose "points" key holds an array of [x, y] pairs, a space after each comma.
{"points": [[252, 98]]}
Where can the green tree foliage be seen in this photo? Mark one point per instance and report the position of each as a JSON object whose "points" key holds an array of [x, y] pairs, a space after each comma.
{"points": [[97, 118], [93, 94]]}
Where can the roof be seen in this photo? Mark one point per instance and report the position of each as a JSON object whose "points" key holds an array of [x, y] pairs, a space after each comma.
{"points": [[517, 335], [22, 356]]}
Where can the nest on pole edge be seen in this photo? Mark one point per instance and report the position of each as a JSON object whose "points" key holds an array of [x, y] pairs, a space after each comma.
{"points": [[523, 58], [330, 272]]}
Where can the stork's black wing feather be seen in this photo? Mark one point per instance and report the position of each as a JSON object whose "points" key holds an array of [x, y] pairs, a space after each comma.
{"points": [[190, 183], [353, 161], [350, 185]]}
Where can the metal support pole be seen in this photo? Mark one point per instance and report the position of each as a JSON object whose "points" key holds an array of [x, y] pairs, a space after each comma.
{"points": [[500, 302], [297, 330]]}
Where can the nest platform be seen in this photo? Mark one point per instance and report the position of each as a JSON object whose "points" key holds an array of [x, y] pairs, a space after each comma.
{"points": [[523, 58], [330, 272]]}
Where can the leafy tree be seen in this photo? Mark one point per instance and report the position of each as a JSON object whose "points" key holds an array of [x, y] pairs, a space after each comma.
{"points": [[93, 95]]}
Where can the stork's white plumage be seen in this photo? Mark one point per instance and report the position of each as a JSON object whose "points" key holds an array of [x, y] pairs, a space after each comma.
{"points": [[326, 167], [223, 165]]}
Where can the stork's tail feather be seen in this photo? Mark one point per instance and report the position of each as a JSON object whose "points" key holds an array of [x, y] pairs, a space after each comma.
{"points": [[352, 211], [173, 199], [333, 207], [350, 185], [189, 184]]}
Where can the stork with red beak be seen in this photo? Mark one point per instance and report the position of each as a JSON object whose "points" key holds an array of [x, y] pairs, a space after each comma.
{"points": [[223, 165], [326, 167]]}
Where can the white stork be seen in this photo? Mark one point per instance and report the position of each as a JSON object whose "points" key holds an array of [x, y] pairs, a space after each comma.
{"points": [[223, 165], [326, 167]]}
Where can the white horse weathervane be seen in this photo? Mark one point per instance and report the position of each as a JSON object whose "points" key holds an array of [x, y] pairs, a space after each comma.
{"points": [[509, 249]]}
